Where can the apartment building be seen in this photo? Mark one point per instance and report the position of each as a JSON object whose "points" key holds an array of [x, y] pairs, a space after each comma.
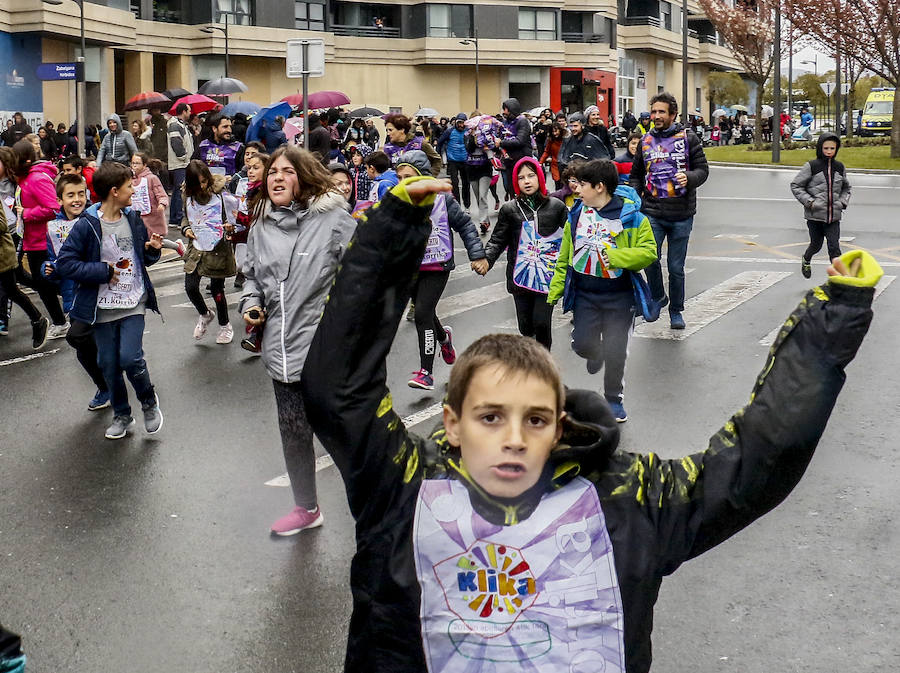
{"points": [[393, 55]]}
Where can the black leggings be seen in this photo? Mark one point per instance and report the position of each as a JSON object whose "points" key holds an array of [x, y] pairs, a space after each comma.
{"points": [[81, 338], [217, 285], [534, 315], [426, 294], [818, 232], [11, 292], [45, 289]]}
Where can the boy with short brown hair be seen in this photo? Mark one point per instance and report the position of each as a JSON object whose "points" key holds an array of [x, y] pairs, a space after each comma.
{"points": [[515, 536]]}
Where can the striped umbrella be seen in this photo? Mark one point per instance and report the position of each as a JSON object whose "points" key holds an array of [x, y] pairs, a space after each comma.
{"points": [[146, 100]]}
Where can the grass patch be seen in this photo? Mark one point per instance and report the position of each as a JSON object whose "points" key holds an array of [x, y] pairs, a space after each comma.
{"points": [[852, 157]]}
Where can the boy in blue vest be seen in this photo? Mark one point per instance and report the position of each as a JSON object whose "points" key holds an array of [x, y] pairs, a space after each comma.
{"points": [[107, 253], [516, 533]]}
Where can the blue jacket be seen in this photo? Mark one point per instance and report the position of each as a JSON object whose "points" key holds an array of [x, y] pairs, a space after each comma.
{"points": [[455, 142], [79, 260], [385, 182], [66, 285]]}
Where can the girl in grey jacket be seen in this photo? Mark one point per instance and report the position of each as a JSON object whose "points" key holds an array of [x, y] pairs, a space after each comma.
{"points": [[823, 189], [301, 229]]}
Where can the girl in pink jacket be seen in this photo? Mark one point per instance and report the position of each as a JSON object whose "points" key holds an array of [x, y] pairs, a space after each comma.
{"points": [[150, 199]]}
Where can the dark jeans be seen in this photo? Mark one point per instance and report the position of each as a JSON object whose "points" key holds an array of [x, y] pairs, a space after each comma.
{"points": [[426, 294], [297, 443], [176, 203], [678, 233], [534, 315], [120, 349], [45, 289], [10, 292], [81, 338], [457, 170], [603, 324], [820, 231], [217, 286]]}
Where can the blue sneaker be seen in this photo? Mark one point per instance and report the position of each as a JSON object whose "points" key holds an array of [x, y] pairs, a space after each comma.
{"points": [[618, 411], [676, 321], [4, 330], [99, 401]]}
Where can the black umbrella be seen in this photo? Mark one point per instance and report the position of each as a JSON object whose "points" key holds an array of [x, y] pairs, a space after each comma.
{"points": [[365, 112], [224, 86], [176, 93]]}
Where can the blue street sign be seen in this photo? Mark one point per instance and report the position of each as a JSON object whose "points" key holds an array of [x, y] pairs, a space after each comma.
{"points": [[59, 71]]}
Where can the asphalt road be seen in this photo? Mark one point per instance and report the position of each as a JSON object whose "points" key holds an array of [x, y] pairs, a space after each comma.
{"points": [[154, 554]]}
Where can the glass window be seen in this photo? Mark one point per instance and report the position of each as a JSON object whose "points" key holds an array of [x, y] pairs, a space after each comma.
{"points": [[660, 75], [309, 16], [698, 98], [239, 12], [438, 20], [626, 85], [665, 15], [537, 24], [449, 20]]}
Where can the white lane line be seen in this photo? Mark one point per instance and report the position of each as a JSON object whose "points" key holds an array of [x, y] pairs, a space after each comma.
{"points": [[712, 304], [769, 339], [744, 198], [26, 358], [466, 301], [324, 462], [772, 260], [736, 236]]}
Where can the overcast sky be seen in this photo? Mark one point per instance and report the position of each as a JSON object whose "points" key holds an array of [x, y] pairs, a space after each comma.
{"points": [[823, 62]]}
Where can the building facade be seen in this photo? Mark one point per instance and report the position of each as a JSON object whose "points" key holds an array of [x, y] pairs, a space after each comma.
{"points": [[392, 55]]}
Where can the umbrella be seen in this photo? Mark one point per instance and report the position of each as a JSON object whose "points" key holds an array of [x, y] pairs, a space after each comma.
{"points": [[741, 108], [146, 100], [244, 106], [319, 99], [427, 112], [720, 113], [176, 93], [767, 111], [224, 86], [293, 127], [198, 102], [365, 112], [266, 114]]}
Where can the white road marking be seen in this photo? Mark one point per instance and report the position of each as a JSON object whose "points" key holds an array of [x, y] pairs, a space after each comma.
{"points": [[26, 358], [736, 236], [744, 198], [769, 339], [326, 461], [466, 301], [712, 304], [465, 271], [847, 239], [771, 260]]}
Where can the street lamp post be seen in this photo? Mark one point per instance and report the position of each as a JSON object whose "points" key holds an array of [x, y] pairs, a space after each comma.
{"points": [[209, 29], [685, 116], [775, 123], [79, 81], [815, 64], [474, 40]]}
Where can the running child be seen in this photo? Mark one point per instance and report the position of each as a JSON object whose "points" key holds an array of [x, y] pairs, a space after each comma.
{"points": [[530, 229], [248, 194], [606, 239], [150, 199], [107, 253], [823, 189], [209, 254], [383, 177], [516, 532]]}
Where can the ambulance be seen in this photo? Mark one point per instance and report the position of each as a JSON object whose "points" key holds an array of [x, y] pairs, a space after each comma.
{"points": [[877, 113]]}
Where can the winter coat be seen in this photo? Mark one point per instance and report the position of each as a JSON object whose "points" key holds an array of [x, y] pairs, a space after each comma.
{"points": [[673, 208], [8, 258], [455, 142], [218, 262], [601, 132], [319, 142], [159, 137], [292, 256], [181, 144], [518, 143], [635, 246], [655, 514], [585, 147], [118, 146], [410, 144], [551, 154], [155, 221], [38, 199], [822, 185], [79, 260]]}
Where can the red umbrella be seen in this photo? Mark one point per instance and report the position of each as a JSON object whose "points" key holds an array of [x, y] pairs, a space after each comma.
{"points": [[146, 100], [319, 99], [198, 102]]}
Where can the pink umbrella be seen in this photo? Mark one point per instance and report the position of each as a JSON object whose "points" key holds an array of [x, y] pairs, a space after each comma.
{"points": [[198, 102], [292, 127], [319, 99]]}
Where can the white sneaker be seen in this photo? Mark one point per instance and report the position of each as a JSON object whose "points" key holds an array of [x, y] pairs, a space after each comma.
{"points": [[58, 331], [202, 323], [226, 334]]}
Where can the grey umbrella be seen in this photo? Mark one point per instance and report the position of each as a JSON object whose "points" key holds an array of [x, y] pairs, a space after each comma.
{"points": [[224, 86]]}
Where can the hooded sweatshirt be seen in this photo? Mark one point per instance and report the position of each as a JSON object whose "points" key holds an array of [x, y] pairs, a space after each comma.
{"points": [[37, 197], [517, 140], [116, 146], [822, 186], [454, 140], [147, 183]]}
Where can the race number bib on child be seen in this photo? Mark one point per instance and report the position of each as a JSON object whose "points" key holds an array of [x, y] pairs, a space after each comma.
{"points": [[594, 235], [140, 199], [58, 232], [536, 258], [440, 245], [206, 223], [127, 292]]}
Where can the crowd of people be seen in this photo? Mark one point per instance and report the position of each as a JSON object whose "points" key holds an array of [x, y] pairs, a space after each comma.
{"points": [[279, 221]]}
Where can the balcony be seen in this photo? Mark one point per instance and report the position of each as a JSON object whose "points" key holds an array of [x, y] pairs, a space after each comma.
{"points": [[711, 53], [365, 31], [646, 33], [584, 39]]}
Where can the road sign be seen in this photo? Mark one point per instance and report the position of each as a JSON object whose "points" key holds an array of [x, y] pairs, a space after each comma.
{"points": [[50, 72], [827, 87], [315, 50]]}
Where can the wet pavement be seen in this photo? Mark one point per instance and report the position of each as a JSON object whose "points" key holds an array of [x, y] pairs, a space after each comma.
{"points": [[153, 553]]}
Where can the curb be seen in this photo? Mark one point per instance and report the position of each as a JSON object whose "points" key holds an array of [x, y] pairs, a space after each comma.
{"points": [[777, 167]]}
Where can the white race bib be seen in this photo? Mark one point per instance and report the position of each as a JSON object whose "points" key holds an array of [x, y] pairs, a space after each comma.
{"points": [[58, 232], [241, 192], [127, 292], [593, 233], [541, 596], [206, 223], [140, 199]]}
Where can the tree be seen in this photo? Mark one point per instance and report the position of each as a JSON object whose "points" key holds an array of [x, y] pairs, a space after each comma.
{"points": [[748, 29], [726, 89], [769, 93]]}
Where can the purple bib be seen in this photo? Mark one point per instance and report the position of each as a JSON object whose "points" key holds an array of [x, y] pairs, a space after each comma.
{"points": [[440, 243], [394, 151], [663, 158]]}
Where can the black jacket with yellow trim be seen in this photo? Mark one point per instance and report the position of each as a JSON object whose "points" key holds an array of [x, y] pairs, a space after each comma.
{"points": [[659, 513]]}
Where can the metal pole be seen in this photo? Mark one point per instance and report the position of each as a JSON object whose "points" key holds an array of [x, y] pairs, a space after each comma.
{"points": [[80, 90], [837, 90], [305, 45], [790, 95], [227, 55], [476, 70], [685, 115], [775, 122]]}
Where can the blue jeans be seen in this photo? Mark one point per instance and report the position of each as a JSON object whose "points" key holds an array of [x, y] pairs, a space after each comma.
{"points": [[176, 205], [120, 349], [679, 233]]}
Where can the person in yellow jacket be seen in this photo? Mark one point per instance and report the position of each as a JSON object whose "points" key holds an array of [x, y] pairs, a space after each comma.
{"points": [[606, 237]]}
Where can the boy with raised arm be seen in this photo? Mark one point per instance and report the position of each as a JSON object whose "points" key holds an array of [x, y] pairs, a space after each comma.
{"points": [[515, 537]]}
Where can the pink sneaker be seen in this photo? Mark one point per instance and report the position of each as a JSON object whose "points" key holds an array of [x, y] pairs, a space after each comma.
{"points": [[299, 519], [448, 352]]}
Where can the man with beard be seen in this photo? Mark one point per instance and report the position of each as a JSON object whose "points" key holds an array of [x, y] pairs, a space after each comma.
{"points": [[222, 153]]}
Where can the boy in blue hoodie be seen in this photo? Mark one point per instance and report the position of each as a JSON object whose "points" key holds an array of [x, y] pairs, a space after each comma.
{"points": [[383, 177], [605, 239], [107, 253]]}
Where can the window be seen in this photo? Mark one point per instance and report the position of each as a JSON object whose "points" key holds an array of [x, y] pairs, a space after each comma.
{"points": [[698, 98], [537, 24], [665, 15], [626, 83], [135, 6], [660, 75], [309, 15], [449, 20], [239, 12]]}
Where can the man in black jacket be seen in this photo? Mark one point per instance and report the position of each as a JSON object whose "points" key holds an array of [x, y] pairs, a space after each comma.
{"points": [[318, 139], [666, 173], [517, 142], [581, 144]]}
